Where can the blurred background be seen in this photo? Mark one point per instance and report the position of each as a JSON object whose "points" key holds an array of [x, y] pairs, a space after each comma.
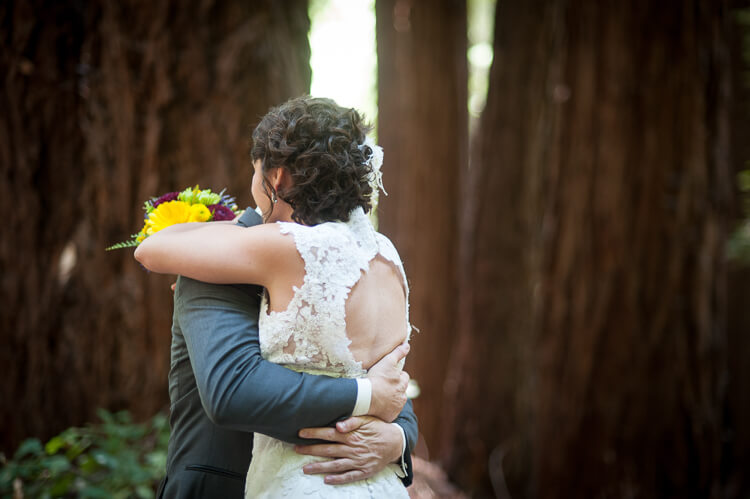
{"points": [[569, 189]]}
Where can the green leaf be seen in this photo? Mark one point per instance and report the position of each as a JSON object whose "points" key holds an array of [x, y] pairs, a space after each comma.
{"points": [[56, 464], [94, 492], [743, 180], [54, 445], [62, 487], [104, 459], [123, 417], [88, 465], [157, 459], [144, 492], [74, 451], [125, 244], [116, 458], [29, 447], [105, 415]]}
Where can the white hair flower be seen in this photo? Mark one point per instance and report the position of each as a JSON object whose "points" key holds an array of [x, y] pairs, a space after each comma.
{"points": [[375, 160]]}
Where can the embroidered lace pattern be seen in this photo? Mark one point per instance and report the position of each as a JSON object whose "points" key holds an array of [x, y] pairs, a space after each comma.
{"points": [[310, 333], [310, 336]]}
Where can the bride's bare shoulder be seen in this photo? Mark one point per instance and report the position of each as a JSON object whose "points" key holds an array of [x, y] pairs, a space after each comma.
{"points": [[272, 236]]}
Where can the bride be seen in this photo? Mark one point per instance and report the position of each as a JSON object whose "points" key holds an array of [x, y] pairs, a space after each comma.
{"points": [[336, 295]]}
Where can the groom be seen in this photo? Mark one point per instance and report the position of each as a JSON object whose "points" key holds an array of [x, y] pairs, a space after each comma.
{"points": [[221, 390]]}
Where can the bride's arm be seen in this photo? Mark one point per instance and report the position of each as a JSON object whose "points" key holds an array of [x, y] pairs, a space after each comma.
{"points": [[216, 253]]}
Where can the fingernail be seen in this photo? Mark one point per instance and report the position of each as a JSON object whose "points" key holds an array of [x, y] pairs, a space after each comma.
{"points": [[302, 434]]}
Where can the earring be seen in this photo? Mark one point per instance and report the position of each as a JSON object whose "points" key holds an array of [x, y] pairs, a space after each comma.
{"points": [[273, 197]]}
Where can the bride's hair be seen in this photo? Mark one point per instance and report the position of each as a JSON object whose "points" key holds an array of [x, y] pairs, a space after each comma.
{"points": [[320, 145]]}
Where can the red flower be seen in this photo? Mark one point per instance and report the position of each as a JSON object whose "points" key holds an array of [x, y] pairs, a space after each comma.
{"points": [[221, 212], [170, 196]]}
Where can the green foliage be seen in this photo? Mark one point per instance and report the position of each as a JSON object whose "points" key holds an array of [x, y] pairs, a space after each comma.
{"points": [[112, 459], [132, 243], [738, 246]]}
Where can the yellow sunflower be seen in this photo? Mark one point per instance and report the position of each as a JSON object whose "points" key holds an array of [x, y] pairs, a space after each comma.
{"points": [[166, 214]]}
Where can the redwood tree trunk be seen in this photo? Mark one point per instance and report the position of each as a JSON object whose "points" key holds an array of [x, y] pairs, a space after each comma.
{"points": [[738, 275], [632, 333], [104, 105], [597, 269], [422, 73]]}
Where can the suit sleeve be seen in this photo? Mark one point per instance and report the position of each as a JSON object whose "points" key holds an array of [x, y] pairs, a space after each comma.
{"points": [[408, 421], [240, 389], [237, 387]]}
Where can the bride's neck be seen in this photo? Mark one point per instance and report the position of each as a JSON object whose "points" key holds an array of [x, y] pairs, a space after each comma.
{"points": [[282, 212]]}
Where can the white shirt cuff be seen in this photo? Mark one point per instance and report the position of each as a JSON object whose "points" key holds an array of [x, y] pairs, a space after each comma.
{"points": [[403, 471], [364, 397]]}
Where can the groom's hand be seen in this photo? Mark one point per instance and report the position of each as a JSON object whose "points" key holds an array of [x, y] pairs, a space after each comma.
{"points": [[359, 447], [389, 383]]}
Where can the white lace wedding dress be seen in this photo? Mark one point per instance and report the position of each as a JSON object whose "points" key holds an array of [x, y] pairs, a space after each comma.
{"points": [[310, 336]]}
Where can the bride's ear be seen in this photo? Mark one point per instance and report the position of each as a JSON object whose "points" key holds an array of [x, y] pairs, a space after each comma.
{"points": [[281, 179]]}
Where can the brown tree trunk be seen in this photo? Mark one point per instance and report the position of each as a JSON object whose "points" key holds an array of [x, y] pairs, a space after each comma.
{"points": [[738, 274], [597, 269], [488, 429], [104, 105], [422, 73]]}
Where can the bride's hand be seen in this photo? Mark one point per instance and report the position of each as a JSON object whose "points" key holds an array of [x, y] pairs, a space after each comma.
{"points": [[389, 383], [359, 448]]}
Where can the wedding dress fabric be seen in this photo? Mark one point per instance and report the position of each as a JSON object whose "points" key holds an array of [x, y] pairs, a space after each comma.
{"points": [[310, 336]]}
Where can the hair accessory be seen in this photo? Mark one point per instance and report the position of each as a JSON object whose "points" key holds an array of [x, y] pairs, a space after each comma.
{"points": [[375, 160]]}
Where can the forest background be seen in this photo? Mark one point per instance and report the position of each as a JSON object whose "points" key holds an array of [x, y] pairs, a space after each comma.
{"points": [[576, 252]]}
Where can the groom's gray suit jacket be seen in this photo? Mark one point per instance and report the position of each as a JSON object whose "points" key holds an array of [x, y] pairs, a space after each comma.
{"points": [[221, 390]]}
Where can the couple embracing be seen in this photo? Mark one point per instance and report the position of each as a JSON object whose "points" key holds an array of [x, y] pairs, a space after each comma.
{"points": [[292, 324]]}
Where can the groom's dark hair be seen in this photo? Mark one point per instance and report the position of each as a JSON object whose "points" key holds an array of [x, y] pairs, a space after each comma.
{"points": [[320, 145]]}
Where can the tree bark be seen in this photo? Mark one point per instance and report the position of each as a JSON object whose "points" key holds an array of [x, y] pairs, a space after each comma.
{"points": [[597, 266], [106, 104], [422, 94], [738, 274]]}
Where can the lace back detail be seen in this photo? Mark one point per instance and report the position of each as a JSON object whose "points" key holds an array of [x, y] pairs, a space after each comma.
{"points": [[310, 334]]}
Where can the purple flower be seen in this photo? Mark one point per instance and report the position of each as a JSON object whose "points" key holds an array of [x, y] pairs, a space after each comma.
{"points": [[228, 201], [170, 196], [221, 212]]}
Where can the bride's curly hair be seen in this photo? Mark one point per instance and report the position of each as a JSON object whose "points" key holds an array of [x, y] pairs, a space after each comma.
{"points": [[318, 142]]}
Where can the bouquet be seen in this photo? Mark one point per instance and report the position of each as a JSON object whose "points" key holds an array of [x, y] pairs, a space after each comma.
{"points": [[191, 205]]}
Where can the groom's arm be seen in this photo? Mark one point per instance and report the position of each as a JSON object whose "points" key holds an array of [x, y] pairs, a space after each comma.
{"points": [[241, 390], [359, 447], [238, 388], [407, 420]]}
